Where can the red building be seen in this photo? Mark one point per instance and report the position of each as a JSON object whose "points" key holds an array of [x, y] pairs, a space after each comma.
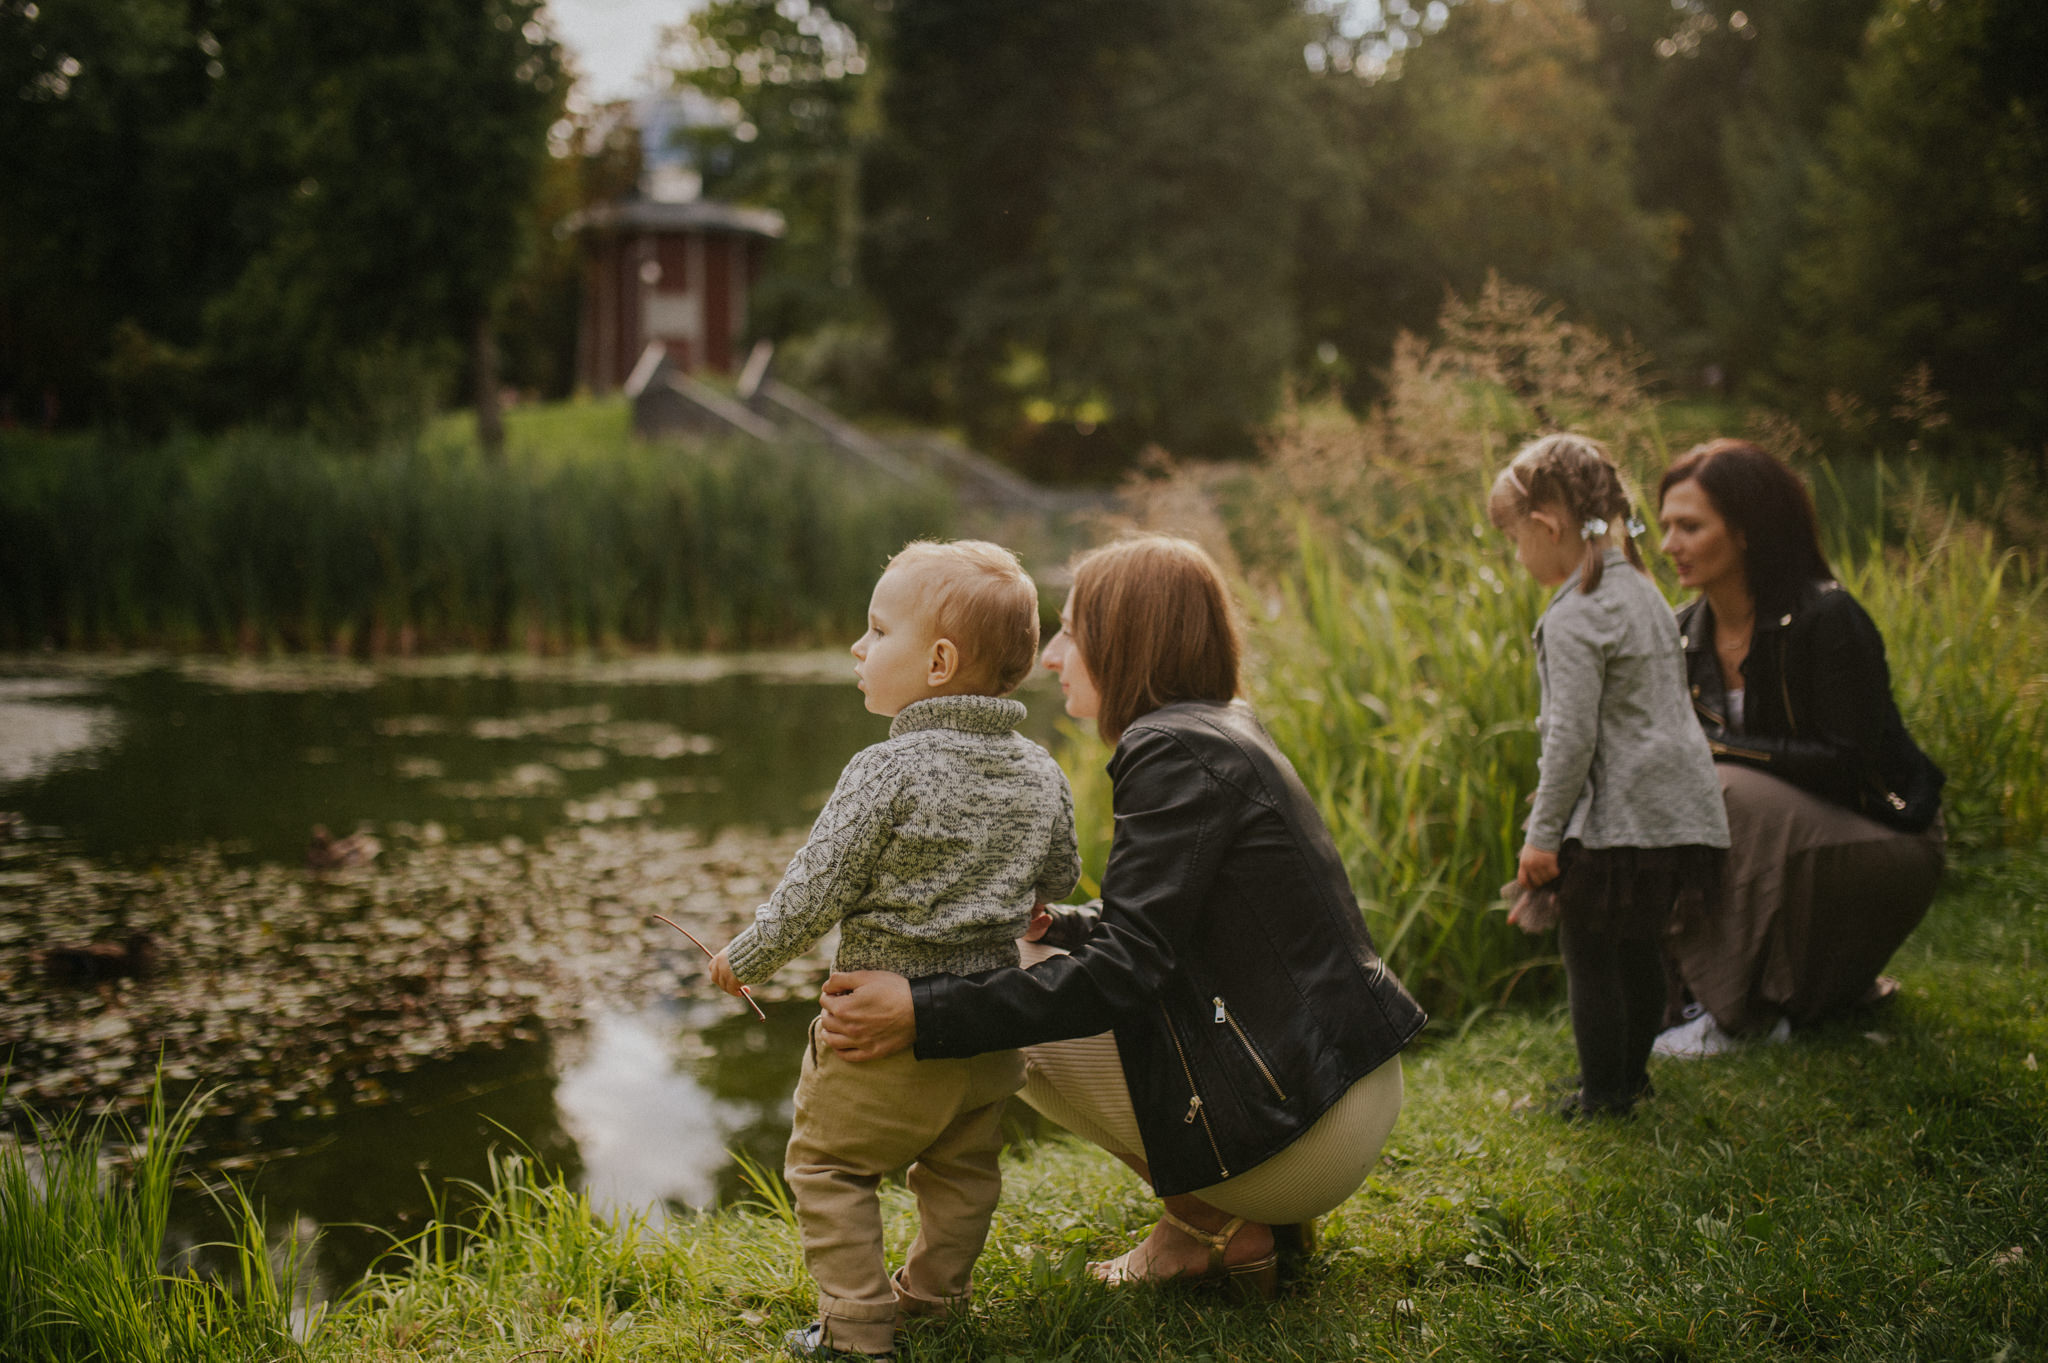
{"points": [[677, 273]]}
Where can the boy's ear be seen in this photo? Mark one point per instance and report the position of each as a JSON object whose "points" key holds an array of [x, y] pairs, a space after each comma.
{"points": [[944, 663]]}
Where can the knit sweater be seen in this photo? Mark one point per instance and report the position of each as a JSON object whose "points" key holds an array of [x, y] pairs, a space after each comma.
{"points": [[931, 852], [1623, 764]]}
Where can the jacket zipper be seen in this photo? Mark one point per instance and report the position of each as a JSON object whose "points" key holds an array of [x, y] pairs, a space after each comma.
{"points": [[1785, 689], [1194, 1094], [1223, 1015]]}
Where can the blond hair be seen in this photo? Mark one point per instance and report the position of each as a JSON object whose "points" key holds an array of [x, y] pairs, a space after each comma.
{"points": [[1155, 624], [980, 597], [1573, 474]]}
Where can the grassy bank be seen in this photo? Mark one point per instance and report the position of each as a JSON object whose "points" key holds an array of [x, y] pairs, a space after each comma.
{"points": [[580, 538], [1873, 1190]]}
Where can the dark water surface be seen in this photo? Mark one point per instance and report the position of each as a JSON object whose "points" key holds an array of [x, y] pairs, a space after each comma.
{"points": [[154, 794]]}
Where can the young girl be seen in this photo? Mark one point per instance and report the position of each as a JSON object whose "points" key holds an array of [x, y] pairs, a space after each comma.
{"points": [[1627, 816]]}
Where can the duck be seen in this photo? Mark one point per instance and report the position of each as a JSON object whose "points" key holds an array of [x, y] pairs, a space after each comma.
{"points": [[329, 853], [94, 961]]}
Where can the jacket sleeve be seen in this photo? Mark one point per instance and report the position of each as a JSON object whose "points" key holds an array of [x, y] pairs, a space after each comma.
{"points": [[1834, 754], [1171, 817], [829, 873], [1574, 675]]}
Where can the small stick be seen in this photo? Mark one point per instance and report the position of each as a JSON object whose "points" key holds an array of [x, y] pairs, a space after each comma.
{"points": [[745, 992]]}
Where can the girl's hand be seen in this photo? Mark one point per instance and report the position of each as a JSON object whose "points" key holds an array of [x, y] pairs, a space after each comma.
{"points": [[722, 976], [1041, 922], [1536, 867]]}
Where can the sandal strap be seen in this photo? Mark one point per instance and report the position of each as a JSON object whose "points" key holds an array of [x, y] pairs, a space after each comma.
{"points": [[1217, 1241]]}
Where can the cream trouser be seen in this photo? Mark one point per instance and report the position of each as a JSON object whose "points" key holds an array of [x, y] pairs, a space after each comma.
{"points": [[1080, 1084], [855, 1123]]}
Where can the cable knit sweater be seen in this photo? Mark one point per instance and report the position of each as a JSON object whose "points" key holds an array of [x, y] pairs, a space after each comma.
{"points": [[930, 853]]}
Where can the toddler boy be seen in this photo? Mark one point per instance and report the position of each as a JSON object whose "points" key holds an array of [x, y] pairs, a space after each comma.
{"points": [[930, 855]]}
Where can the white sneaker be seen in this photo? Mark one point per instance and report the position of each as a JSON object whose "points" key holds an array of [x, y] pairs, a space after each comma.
{"points": [[1692, 1040]]}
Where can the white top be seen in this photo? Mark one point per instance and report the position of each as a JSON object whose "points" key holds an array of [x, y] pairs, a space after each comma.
{"points": [[1735, 708]]}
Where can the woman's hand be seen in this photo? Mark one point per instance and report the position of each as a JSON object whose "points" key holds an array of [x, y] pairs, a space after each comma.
{"points": [[1040, 924], [1537, 867], [868, 1014]]}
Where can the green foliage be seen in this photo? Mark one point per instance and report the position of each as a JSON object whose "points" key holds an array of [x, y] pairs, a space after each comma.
{"points": [[82, 1217], [1504, 154], [1390, 654], [304, 202], [582, 539], [1081, 221], [1928, 234], [802, 80]]}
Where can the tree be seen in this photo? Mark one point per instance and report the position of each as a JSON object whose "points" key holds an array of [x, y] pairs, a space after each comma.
{"points": [[1082, 220], [801, 81], [402, 145], [244, 209], [1490, 145], [1928, 226]]}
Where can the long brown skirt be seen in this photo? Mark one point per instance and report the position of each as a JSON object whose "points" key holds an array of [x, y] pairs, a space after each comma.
{"points": [[1815, 899]]}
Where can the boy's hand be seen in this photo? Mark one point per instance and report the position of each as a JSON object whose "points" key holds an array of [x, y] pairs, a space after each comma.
{"points": [[722, 976], [1040, 924], [1536, 867]]}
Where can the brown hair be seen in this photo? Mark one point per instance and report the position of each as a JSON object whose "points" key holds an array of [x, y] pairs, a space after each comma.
{"points": [[1767, 505], [1573, 474], [1154, 622], [982, 599]]}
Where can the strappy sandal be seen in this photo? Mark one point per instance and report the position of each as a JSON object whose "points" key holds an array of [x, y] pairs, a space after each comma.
{"points": [[1259, 1279]]}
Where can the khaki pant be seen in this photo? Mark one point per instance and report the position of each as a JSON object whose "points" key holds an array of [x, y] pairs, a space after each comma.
{"points": [[1081, 1085], [856, 1122]]}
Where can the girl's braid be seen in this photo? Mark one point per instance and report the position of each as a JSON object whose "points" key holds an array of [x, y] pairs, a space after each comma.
{"points": [[1574, 472]]}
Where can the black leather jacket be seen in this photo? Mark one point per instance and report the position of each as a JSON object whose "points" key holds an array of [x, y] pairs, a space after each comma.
{"points": [[1817, 707], [1228, 955]]}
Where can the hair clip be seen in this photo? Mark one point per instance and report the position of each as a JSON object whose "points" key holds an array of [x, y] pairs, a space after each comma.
{"points": [[1593, 529], [1520, 486], [1636, 528]]}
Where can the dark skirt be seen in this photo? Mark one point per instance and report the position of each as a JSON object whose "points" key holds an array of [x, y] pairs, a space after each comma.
{"points": [[1815, 900], [1635, 894]]}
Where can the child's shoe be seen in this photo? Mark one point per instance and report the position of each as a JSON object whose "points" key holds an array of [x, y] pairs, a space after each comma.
{"points": [[1694, 1040], [809, 1342]]}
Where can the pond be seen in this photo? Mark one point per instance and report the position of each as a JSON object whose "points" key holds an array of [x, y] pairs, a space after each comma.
{"points": [[477, 967]]}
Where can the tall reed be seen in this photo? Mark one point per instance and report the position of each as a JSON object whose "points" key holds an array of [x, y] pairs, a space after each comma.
{"points": [[82, 1241], [1390, 652], [581, 539]]}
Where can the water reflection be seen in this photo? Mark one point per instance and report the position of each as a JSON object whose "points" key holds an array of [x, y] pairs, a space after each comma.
{"points": [[650, 1135], [41, 725]]}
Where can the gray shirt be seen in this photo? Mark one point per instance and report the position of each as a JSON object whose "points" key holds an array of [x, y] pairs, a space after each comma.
{"points": [[1624, 763], [931, 852]]}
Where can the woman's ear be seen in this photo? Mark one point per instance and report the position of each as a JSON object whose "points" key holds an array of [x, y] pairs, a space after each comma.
{"points": [[944, 664]]}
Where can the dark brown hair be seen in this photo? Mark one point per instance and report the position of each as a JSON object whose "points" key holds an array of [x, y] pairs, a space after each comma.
{"points": [[982, 599], [1154, 622], [1574, 474], [1767, 505]]}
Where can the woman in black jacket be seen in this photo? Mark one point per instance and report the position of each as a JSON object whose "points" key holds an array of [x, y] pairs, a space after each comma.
{"points": [[1220, 1020], [1834, 812]]}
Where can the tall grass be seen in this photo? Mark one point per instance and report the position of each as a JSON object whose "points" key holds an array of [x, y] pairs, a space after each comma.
{"points": [[1389, 644], [81, 1247], [580, 538]]}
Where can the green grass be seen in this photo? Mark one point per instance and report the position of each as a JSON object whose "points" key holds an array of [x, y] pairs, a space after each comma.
{"points": [[1875, 1189], [83, 1277], [581, 538]]}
